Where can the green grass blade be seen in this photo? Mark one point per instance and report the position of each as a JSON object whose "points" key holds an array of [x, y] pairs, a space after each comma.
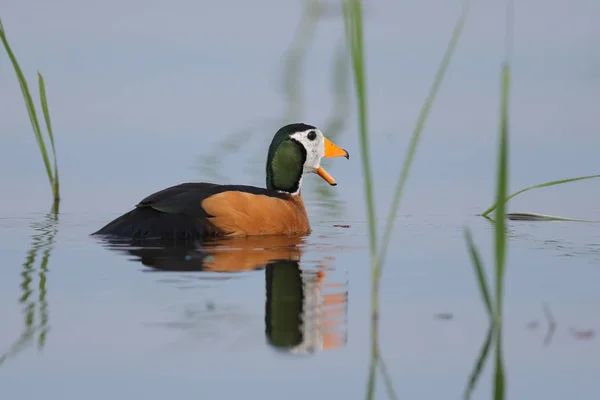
{"points": [[353, 19], [502, 183], [478, 265], [541, 185], [44, 101], [28, 103], [353, 28], [502, 179], [483, 355], [414, 141]]}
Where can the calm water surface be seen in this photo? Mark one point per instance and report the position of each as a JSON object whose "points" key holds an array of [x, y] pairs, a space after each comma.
{"points": [[136, 110]]}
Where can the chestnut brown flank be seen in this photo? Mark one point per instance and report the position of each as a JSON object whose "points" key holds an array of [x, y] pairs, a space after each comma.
{"points": [[242, 214]]}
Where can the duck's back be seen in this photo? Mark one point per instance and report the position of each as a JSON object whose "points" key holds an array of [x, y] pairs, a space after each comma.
{"points": [[205, 210]]}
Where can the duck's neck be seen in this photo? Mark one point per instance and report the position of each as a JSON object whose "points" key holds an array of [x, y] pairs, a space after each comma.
{"points": [[292, 186], [285, 167]]}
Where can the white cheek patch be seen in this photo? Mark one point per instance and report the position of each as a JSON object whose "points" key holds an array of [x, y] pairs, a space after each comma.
{"points": [[312, 157], [315, 149]]}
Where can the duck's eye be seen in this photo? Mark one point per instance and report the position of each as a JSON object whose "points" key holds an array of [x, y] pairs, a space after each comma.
{"points": [[312, 135]]}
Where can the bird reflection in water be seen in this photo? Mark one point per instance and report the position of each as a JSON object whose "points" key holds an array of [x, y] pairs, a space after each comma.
{"points": [[304, 313]]}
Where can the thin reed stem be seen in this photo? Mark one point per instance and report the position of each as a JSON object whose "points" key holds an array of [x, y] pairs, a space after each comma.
{"points": [[52, 173]]}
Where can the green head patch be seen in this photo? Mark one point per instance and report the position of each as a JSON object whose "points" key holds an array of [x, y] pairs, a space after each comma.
{"points": [[285, 161]]}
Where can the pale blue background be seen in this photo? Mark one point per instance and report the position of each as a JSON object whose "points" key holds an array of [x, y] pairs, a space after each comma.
{"points": [[141, 92]]}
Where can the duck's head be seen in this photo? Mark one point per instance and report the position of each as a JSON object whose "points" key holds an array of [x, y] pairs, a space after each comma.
{"points": [[295, 150]]}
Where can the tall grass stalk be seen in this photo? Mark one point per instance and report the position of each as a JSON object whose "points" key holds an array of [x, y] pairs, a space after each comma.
{"points": [[494, 307], [52, 172], [353, 23], [499, 232], [502, 177], [500, 202], [501, 189], [503, 172]]}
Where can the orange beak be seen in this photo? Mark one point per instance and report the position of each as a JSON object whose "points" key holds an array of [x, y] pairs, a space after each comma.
{"points": [[331, 150]]}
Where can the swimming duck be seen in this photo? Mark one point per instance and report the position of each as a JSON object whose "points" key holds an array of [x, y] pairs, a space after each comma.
{"points": [[202, 210]]}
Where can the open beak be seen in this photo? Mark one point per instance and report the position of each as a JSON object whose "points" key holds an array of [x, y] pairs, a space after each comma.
{"points": [[331, 150]]}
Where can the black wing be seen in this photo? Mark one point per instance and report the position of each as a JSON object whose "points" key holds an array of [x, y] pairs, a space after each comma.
{"points": [[175, 213]]}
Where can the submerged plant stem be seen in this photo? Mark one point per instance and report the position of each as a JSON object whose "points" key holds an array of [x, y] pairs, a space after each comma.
{"points": [[481, 359], [478, 265], [539, 186], [499, 379], [387, 379]]}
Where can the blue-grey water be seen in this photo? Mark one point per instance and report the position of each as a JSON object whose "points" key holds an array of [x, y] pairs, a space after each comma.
{"points": [[147, 94]]}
